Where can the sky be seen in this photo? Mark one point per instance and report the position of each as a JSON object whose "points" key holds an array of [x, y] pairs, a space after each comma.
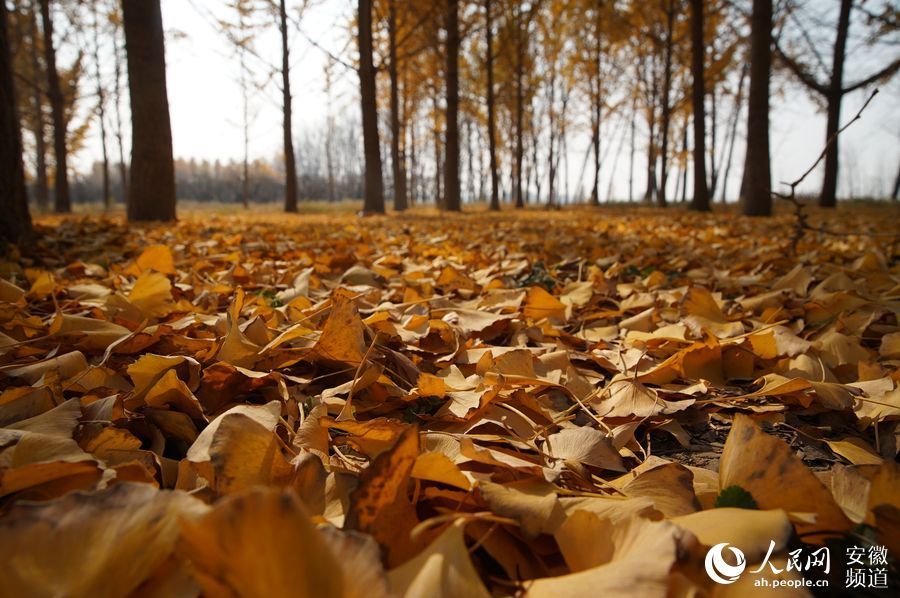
{"points": [[205, 104]]}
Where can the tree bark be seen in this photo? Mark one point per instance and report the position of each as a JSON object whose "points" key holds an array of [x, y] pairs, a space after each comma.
{"points": [[15, 225], [398, 165], [42, 194], [732, 134], [101, 112], [373, 202], [698, 97], [151, 192], [756, 195], [491, 111], [451, 153], [123, 168], [895, 194], [598, 56], [63, 200], [828, 198], [665, 123], [519, 107], [290, 163]]}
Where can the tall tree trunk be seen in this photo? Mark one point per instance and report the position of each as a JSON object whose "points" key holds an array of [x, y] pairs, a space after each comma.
{"points": [[101, 111], [491, 112], [631, 149], [42, 194], [732, 134], [290, 164], [651, 136], [519, 107], [151, 192], [598, 102], [373, 202], [439, 196], [117, 58], [329, 140], [756, 196], [665, 125], [828, 198], [698, 98], [397, 160], [895, 194], [15, 225], [63, 200], [714, 162], [684, 165]]}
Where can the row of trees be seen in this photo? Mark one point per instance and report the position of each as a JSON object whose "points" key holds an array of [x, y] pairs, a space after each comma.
{"points": [[533, 74], [151, 182], [508, 83]]}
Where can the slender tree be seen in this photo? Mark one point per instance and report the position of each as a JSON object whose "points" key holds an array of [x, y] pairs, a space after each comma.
{"points": [[833, 91], [756, 186], [151, 192], [665, 125], [452, 188], [15, 225], [398, 160], [491, 109], [290, 164], [63, 201], [698, 96], [373, 202], [101, 109], [42, 192]]}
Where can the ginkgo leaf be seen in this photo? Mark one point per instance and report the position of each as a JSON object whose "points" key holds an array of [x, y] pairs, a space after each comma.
{"points": [[767, 468], [261, 543], [380, 506], [121, 534], [638, 564], [152, 295], [750, 531], [443, 569], [343, 336], [584, 445], [156, 257]]}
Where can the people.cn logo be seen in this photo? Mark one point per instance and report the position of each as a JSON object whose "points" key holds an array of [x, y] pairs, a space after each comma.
{"points": [[718, 570]]}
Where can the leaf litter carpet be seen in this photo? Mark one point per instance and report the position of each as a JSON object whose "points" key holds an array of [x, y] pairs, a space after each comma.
{"points": [[564, 403]]}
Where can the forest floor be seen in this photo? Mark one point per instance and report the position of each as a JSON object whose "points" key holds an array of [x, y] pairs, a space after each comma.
{"points": [[561, 402]]}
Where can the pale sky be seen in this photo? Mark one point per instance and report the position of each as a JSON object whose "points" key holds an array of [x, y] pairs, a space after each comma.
{"points": [[205, 104]]}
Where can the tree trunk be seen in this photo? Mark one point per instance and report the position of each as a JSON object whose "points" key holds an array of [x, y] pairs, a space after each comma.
{"points": [[151, 192], [698, 97], [828, 198], [373, 202], [290, 164], [117, 58], [665, 125], [631, 149], [63, 201], [42, 194], [896, 192], [101, 112], [451, 152], [732, 134], [491, 112], [598, 98], [15, 225], [756, 195], [519, 108], [397, 160]]}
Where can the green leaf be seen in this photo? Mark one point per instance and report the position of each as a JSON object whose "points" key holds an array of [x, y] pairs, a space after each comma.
{"points": [[737, 497]]}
